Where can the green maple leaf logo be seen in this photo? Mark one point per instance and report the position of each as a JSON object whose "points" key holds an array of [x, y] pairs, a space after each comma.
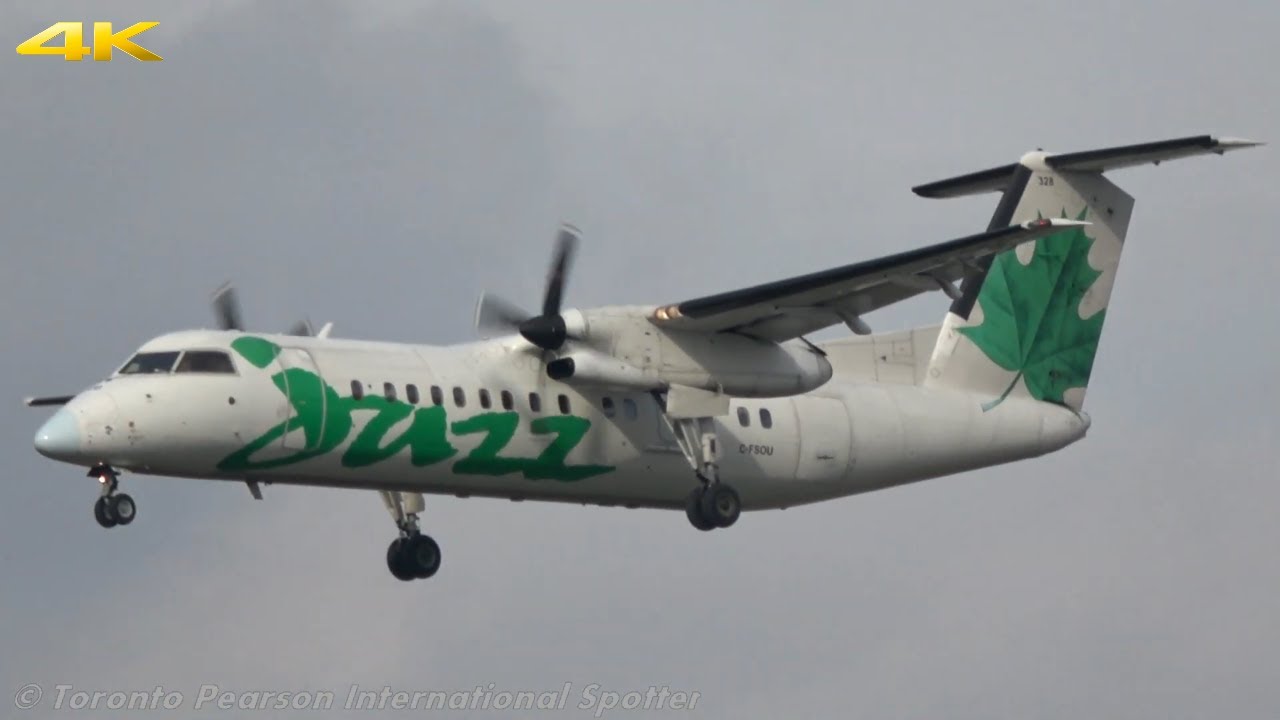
{"points": [[1031, 320]]}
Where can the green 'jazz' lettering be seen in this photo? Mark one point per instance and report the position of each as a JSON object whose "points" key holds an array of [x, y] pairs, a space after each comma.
{"points": [[550, 464], [325, 419], [499, 428], [425, 437], [336, 420]]}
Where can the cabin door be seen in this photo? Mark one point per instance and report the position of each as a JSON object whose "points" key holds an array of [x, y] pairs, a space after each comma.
{"points": [[305, 399]]}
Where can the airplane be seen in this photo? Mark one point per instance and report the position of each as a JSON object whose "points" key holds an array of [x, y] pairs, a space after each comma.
{"points": [[713, 405]]}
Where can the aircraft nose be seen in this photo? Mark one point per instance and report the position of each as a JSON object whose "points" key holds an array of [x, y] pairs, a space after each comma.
{"points": [[59, 437]]}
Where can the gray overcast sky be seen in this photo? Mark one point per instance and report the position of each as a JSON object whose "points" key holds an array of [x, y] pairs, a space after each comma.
{"points": [[378, 168]]}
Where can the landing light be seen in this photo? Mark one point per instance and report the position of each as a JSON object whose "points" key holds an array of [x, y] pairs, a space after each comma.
{"points": [[667, 312]]}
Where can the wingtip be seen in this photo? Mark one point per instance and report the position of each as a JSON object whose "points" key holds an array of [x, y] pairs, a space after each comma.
{"points": [[1235, 143]]}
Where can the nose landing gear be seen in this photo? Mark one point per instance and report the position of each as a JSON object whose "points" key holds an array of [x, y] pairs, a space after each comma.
{"points": [[415, 557], [112, 508], [412, 556]]}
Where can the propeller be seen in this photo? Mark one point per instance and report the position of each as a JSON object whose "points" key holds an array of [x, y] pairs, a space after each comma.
{"points": [[547, 330], [226, 310], [302, 328]]}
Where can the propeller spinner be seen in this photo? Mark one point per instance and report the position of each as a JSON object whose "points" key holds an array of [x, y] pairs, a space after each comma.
{"points": [[547, 330]]}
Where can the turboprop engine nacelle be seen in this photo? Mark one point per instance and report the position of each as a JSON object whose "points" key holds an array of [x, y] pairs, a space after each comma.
{"points": [[599, 370], [741, 366], [646, 357]]}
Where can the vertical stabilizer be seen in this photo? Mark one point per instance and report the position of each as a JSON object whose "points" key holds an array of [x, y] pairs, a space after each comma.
{"points": [[1029, 322]]}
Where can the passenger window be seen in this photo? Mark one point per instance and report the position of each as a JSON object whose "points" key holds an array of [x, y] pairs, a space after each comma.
{"points": [[205, 361], [766, 419], [437, 395], [459, 397], [484, 399], [411, 393], [563, 400], [389, 392], [150, 362], [629, 409], [535, 402], [508, 402], [744, 417], [357, 389], [606, 403]]}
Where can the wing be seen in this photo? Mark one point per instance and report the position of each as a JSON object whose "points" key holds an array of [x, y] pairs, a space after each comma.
{"points": [[790, 308]]}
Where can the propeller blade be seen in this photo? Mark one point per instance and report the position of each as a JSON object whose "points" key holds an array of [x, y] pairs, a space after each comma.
{"points": [[494, 313], [566, 244], [226, 308], [302, 328]]}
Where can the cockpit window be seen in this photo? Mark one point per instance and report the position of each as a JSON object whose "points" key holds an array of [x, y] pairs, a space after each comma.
{"points": [[206, 361], [150, 362]]}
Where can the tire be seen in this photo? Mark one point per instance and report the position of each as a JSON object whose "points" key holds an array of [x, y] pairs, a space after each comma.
{"points": [[721, 505], [102, 513], [693, 510], [123, 508], [396, 560], [422, 556]]}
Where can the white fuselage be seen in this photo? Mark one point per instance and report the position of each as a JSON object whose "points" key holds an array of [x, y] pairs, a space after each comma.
{"points": [[366, 427]]}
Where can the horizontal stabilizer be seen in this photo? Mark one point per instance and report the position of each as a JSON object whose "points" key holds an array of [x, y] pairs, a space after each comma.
{"points": [[997, 179], [1143, 153]]}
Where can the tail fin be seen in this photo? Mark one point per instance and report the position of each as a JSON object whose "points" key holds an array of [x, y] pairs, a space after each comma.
{"points": [[1028, 322]]}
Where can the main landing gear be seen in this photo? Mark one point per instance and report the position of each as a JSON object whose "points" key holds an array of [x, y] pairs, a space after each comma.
{"points": [[112, 508], [413, 555], [712, 504]]}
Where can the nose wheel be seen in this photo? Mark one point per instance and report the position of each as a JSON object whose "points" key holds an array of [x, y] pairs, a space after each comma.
{"points": [[413, 555], [112, 508]]}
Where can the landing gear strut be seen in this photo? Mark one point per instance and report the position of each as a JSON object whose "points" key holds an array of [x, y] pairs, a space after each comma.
{"points": [[112, 508], [412, 555], [712, 504]]}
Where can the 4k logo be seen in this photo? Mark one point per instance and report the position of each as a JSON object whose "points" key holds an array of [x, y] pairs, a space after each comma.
{"points": [[73, 48]]}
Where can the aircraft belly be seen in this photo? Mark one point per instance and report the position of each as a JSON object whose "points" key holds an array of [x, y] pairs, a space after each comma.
{"points": [[652, 479]]}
